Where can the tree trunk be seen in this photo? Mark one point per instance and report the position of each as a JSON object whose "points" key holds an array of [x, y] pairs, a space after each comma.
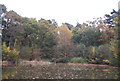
{"points": [[15, 43]]}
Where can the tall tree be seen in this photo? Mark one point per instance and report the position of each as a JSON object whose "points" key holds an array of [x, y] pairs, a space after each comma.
{"points": [[68, 25], [13, 28], [87, 36], [64, 47]]}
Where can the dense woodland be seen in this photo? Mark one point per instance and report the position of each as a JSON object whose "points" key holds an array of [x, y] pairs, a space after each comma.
{"points": [[92, 42]]}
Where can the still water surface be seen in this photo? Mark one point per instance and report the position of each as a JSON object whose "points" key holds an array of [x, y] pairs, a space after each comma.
{"points": [[60, 71]]}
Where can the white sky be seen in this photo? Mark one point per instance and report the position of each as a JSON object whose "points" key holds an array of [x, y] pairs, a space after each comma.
{"points": [[71, 11]]}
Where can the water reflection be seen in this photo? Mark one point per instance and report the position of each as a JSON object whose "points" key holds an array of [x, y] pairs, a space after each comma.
{"points": [[118, 75], [96, 72], [8, 72], [62, 71]]}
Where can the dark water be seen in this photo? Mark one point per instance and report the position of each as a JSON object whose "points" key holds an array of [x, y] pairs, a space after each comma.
{"points": [[60, 71]]}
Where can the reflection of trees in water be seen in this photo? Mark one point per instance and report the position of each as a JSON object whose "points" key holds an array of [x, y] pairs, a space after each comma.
{"points": [[57, 71], [118, 74], [9, 72], [96, 72]]}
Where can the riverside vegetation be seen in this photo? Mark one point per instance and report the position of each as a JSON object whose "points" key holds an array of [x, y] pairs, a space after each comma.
{"points": [[92, 42]]}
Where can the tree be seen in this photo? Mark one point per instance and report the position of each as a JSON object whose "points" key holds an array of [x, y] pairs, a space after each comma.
{"points": [[38, 36], [69, 25], [64, 47], [87, 36], [27, 32], [13, 29], [47, 35], [109, 19], [54, 23], [78, 25], [3, 9]]}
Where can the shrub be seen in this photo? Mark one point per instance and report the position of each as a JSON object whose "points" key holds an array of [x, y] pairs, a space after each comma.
{"points": [[59, 60], [8, 54], [106, 61], [78, 60], [115, 57], [80, 50], [103, 53]]}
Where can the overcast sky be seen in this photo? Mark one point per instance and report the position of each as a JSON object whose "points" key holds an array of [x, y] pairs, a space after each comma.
{"points": [[71, 11]]}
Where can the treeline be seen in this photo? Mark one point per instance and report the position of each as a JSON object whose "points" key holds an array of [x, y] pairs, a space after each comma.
{"points": [[91, 42]]}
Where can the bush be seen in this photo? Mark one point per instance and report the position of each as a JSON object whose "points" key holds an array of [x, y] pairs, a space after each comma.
{"points": [[78, 60], [59, 60], [103, 54], [106, 61], [82, 51], [115, 57], [8, 54]]}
